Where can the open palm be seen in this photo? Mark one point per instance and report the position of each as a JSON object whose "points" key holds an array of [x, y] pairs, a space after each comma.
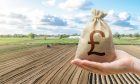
{"points": [[122, 64]]}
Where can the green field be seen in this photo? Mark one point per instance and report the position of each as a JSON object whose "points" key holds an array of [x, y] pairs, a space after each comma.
{"points": [[127, 41], [25, 40]]}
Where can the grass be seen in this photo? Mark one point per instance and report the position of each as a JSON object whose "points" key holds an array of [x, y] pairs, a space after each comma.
{"points": [[7, 41], [126, 41], [59, 41], [25, 40], [13, 40]]}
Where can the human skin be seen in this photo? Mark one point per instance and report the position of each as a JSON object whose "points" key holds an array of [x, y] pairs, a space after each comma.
{"points": [[123, 63]]}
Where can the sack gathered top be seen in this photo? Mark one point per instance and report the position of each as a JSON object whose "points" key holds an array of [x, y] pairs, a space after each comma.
{"points": [[96, 40]]}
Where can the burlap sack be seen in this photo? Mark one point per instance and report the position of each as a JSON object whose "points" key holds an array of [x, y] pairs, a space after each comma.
{"points": [[95, 43]]}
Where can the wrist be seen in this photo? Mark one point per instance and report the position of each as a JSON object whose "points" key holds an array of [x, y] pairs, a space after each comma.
{"points": [[136, 66]]}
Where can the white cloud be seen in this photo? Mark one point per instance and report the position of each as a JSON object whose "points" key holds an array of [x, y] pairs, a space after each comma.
{"points": [[71, 24], [136, 21], [78, 18], [111, 16], [20, 22], [53, 20], [5, 3], [82, 14], [122, 30], [72, 4], [124, 16], [138, 18], [35, 16], [122, 22], [76, 4], [67, 16], [122, 19], [49, 2]]}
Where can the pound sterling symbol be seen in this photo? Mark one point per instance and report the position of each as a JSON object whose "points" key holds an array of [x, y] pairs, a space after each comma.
{"points": [[93, 43]]}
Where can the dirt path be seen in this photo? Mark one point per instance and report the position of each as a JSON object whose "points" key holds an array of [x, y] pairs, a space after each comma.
{"points": [[42, 65]]}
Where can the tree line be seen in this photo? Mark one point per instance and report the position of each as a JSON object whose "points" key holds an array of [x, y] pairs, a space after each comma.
{"points": [[32, 35], [118, 35]]}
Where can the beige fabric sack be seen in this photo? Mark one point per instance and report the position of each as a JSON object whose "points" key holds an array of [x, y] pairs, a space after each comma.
{"points": [[95, 43]]}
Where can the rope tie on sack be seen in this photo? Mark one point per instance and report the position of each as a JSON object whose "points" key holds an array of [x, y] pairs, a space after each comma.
{"points": [[98, 14]]}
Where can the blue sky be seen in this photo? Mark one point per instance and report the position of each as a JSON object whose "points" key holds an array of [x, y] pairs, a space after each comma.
{"points": [[66, 16]]}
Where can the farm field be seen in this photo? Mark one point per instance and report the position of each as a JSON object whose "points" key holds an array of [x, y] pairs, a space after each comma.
{"points": [[42, 65]]}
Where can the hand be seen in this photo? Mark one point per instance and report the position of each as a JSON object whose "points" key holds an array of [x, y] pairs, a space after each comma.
{"points": [[122, 64]]}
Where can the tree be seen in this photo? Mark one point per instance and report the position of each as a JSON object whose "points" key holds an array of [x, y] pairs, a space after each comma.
{"points": [[19, 35], [75, 34], [123, 35], [117, 35], [130, 35], [31, 35], [64, 36], [136, 34]]}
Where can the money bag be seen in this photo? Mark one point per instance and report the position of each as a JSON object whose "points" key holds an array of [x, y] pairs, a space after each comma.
{"points": [[96, 40]]}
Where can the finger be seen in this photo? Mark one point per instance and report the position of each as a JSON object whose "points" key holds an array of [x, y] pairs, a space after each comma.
{"points": [[96, 65], [75, 61], [89, 68], [89, 64], [92, 70]]}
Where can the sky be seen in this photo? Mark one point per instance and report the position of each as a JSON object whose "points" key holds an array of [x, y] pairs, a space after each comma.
{"points": [[66, 16]]}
